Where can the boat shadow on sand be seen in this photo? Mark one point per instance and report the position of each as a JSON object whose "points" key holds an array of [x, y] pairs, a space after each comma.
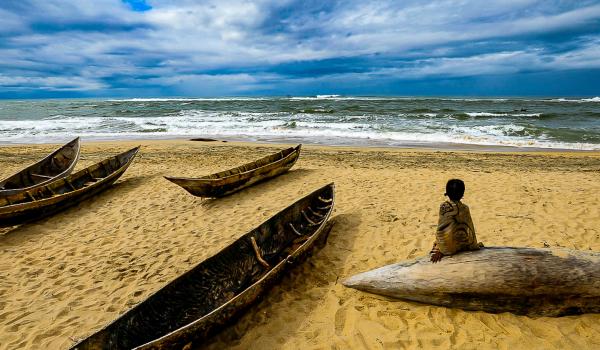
{"points": [[306, 284], [251, 192], [28, 229]]}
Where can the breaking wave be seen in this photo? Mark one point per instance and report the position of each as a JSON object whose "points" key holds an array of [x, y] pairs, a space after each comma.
{"points": [[325, 119]]}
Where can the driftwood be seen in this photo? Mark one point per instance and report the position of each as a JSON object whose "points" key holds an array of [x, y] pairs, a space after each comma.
{"points": [[203, 139], [54, 166], [229, 181], [48, 199], [213, 293], [524, 281]]}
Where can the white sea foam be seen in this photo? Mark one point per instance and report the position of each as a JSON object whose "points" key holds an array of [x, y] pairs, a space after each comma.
{"points": [[184, 99], [357, 98], [483, 99], [507, 132], [217, 125], [56, 116], [319, 135], [581, 100], [451, 99], [430, 115], [488, 114], [393, 129]]}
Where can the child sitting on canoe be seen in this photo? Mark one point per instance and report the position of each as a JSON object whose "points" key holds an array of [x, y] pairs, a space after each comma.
{"points": [[455, 231]]}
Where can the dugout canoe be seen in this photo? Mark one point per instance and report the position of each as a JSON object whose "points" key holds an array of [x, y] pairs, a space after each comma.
{"points": [[524, 281], [229, 181], [60, 194], [54, 166], [211, 295]]}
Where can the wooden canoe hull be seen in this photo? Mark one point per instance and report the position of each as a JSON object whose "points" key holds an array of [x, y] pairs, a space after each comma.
{"points": [[524, 281], [56, 165], [230, 181], [63, 193], [212, 294]]}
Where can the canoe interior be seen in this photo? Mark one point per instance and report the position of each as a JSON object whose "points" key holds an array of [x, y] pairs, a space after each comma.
{"points": [[233, 180], [254, 165], [60, 162], [208, 296], [74, 182]]}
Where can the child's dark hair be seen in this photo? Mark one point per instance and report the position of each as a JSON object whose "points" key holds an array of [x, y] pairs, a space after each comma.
{"points": [[455, 189]]}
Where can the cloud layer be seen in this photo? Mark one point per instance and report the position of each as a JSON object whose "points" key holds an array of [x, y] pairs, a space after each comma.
{"points": [[54, 48]]}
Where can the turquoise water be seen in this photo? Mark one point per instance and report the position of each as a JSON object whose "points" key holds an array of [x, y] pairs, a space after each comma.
{"points": [[392, 121]]}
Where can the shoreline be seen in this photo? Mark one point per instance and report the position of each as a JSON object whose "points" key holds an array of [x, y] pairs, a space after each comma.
{"points": [[432, 147]]}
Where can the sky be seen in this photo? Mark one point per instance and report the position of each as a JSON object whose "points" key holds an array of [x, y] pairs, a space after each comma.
{"points": [[151, 48]]}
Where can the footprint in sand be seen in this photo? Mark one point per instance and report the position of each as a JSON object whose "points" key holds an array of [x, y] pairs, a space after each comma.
{"points": [[340, 320]]}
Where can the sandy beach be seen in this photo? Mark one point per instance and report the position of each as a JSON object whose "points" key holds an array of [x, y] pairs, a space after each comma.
{"points": [[65, 277]]}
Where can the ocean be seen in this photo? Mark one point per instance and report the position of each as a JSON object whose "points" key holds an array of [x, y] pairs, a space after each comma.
{"points": [[548, 123]]}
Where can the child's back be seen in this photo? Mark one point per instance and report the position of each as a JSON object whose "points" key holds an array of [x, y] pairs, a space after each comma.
{"points": [[455, 230]]}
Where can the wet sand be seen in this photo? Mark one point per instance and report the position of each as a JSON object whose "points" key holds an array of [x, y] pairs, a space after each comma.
{"points": [[67, 276]]}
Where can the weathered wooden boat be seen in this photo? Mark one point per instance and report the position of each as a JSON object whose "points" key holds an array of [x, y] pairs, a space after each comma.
{"points": [[46, 200], [524, 281], [229, 181], [214, 292], [56, 165]]}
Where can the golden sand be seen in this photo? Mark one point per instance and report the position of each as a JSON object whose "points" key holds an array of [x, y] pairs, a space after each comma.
{"points": [[64, 277]]}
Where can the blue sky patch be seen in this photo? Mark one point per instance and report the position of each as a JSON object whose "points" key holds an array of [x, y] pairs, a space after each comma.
{"points": [[138, 5]]}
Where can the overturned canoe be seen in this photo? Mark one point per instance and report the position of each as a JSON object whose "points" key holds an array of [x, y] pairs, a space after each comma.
{"points": [[229, 181], [60, 194], [213, 293], [524, 281], [56, 165]]}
